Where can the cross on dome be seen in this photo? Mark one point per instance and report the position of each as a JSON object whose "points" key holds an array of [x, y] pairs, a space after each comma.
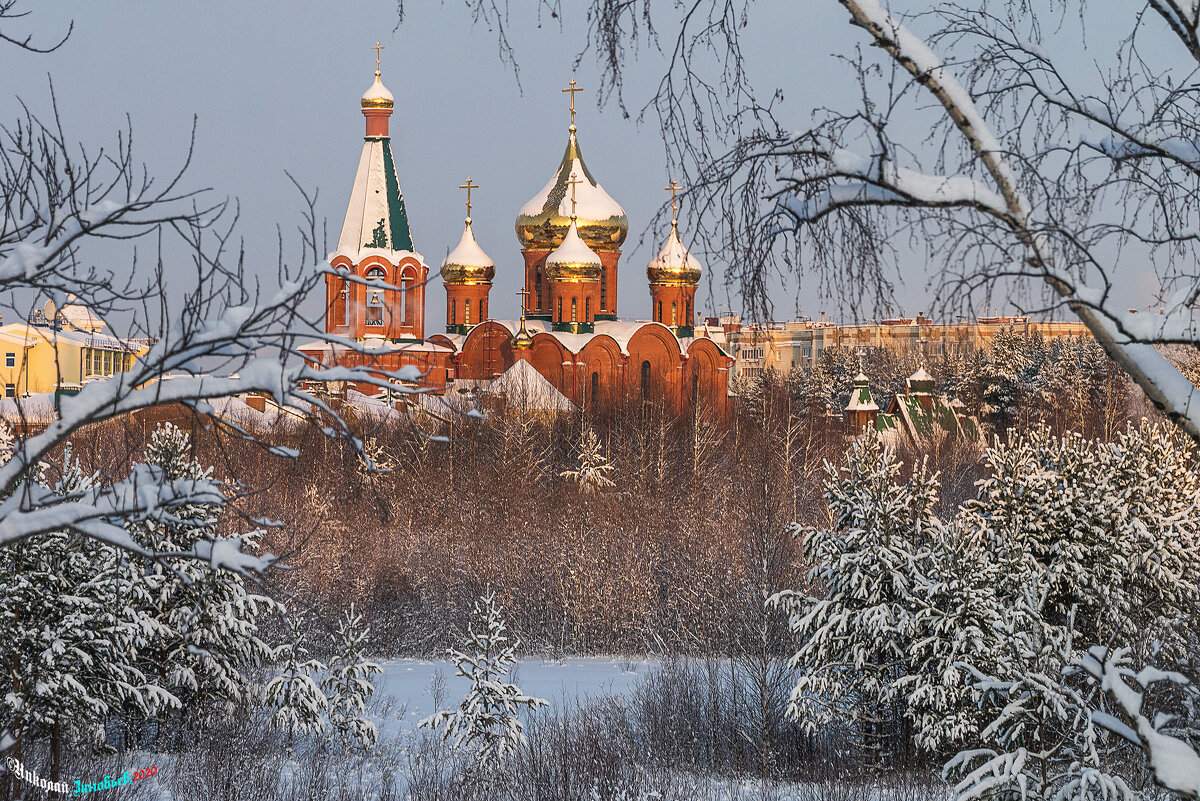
{"points": [[573, 183], [572, 89], [674, 189], [377, 48], [468, 186]]}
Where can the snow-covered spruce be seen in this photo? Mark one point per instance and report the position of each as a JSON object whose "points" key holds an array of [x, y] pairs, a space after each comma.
{"points": [[347, 685], [298, 705], [591, 474], [486, 721]]}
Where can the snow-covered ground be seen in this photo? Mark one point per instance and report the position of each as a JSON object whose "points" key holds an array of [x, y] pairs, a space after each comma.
{"points": [[403, 691]]}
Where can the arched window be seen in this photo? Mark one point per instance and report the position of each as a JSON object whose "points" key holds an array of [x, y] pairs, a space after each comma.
{"points": [[658, 317], [375, 298], [343, 302], [538, 288], [587, 309], [454, 312], [560, 309], [695, 387], [688, 306], [574, 308], [595, 397], [467, 311], [674, 313], [645, 380], [603, 287], [405, 284]]}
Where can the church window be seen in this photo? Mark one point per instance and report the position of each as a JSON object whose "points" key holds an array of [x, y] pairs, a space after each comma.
{"points": [[375, 298], [645, 380], [404, 296], [467, 311], [658, 317], [560, 309], [595, 387], [690, 319], [454, 312], [695, 387], [674, 313], [603, 287], [574, 308], [587, 309], [538, 288]]}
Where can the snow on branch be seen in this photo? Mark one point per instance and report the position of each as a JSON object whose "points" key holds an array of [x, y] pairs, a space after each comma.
{"points": [[1175, 764]]}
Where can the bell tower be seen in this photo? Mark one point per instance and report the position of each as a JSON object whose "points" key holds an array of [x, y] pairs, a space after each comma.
{"points": [[376, 288]]}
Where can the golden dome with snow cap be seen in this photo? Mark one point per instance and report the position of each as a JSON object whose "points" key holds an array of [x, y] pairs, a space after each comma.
{"points": [[573, 260], [378, 96], [542, 223], [467, 263], [674, 265]]}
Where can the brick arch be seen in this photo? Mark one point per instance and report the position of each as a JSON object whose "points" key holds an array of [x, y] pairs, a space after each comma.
{"points": [[486, 352], [601, 357], [655, 344], [708, 371], [547, 355]]}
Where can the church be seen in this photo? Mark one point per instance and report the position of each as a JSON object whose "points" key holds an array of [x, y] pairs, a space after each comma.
{"points": [[569, 329]]}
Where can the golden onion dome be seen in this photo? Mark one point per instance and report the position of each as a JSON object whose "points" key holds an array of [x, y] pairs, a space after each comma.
{"points": [[467, 263], [674, 265], [378, 96], [542, 222], [573, 260]]}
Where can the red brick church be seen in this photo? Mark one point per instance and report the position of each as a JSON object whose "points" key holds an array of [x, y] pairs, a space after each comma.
{"points": [[569, 330]]}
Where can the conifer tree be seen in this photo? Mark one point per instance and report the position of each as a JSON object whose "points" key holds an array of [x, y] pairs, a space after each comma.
{"points": [[590, 476], [486, 720], [298, 705], [348, 684]]}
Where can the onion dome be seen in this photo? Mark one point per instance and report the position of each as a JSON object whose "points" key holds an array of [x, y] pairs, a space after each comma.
{"points": [[378, 96], [674, 265], [542, 223], [573, 260], [467, 263]]}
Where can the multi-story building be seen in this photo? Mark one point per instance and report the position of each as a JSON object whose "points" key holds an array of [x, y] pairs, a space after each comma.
{"points": [[783, 346]]}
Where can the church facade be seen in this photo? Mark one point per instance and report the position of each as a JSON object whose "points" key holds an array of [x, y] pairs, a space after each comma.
{"points": [[570, 234]]}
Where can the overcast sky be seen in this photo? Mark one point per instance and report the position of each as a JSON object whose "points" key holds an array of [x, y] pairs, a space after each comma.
{"points": [[275, 86]]}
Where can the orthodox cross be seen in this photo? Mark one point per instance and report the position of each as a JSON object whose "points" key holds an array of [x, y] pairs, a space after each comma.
{"points": [[573, 183], [572, 89], [468, 186], [524, 295], [674, 189], [377, 48]]}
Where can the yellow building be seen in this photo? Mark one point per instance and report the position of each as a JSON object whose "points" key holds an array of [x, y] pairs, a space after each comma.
{"points": [[58, 351]]}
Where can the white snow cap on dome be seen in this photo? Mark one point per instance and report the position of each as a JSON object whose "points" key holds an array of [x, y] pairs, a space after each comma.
{"points": [[468, 253], [591, 201], [675, 256], [378, 91], [573, 250], [920, 375], [861, 378]]}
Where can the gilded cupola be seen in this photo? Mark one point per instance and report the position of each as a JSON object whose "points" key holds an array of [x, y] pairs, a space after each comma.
{"points": [[573, 260], [542, 223], [467, 263], [674, 266]]}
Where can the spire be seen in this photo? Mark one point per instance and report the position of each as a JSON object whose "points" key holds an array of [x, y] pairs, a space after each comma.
{"points": [[522, 340], [377, 103]]}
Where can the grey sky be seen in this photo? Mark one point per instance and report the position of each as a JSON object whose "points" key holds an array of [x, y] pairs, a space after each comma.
{"points": [[275, 86]]}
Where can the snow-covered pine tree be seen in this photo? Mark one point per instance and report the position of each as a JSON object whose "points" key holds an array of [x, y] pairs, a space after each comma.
{"points": [[856, 640], [487, 718], [201, 625], [298, 705], [348, 685], [67, 658], [591, 474]]}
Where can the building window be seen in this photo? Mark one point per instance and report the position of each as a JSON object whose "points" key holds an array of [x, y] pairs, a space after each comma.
{"points": [[345, 302], [375, 298], [10, 390], [658, 317], [538, 288], [688, 309], [695, 387], [108, 362], [574, 309], [404, 294], [587, 309], [603, 287], [674, 313], [467, 311], [560, 309], [454, 312], [595, 387], [645, 381], [10, 360]]}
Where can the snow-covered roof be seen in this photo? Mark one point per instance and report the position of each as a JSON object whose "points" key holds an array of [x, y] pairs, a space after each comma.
{"points": [[573, 250], [675, 259], [591, 201], [320, 346], [377, 95], [237, 411], [35, 408], [468, 253], [79, 316], [860, 396], [621, 331], [376, 217], [524, 387]]}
